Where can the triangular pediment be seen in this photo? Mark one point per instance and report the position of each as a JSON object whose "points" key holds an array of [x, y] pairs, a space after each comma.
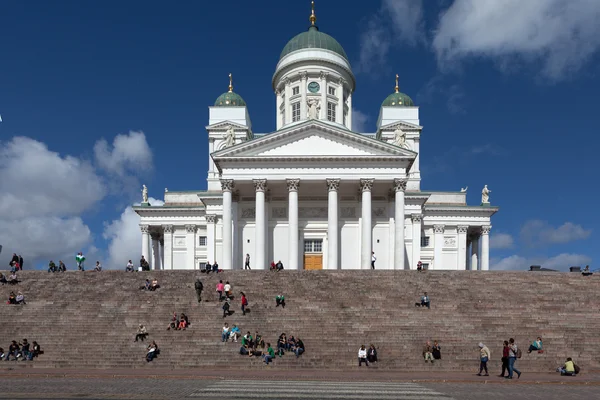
{"points": [[314, 139], [224, 125], [405, 126]]}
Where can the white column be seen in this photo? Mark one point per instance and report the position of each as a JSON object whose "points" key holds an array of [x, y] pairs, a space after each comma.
{"points": [[339, 118], [303, 88], [155, 251], [210, 237], [462, 248], [349, 117], [211, 164], [333, 186], [475, 252], [485, 247], [416, 241], [278, 108], [168, 247], [162, 253], [366, 185], [190, 244], [293, 185], [260, 231], [323, 96], [145, 243], [227, 187], [288, 94], [399, 246], [438, 242]]}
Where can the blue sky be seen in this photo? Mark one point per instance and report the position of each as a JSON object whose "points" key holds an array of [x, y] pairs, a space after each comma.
{"points": [[507, 91]]}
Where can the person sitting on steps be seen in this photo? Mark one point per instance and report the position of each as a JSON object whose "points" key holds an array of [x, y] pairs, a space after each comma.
{"points": [[279, 266], [152, 351], [280, 301], [51, 266], [13, 279], [173, 323], [183, 322], [362, 356], [225, 332], [436, 350], [299, 347], [207, 267], [129, 267], [61, 266], [154, 285], [569, 369], [269, 355], [372, 354], [258, 340], [425, 301], [235, 333], [12, 298], [141, 333], [427, 354], [215, 267], [3, 279], [20, 299], [536, 346]]}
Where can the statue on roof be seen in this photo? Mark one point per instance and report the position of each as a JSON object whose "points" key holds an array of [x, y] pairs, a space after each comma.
{"points": [[229, 137], [464, 190], [400, 138], [485, 195], [313, 108], [144, 194]]}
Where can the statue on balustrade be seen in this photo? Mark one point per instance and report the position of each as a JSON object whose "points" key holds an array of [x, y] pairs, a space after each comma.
{"points": [[485, 194]]}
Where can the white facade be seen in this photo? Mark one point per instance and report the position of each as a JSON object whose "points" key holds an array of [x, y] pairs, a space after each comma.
{"points": [[314, 194]]}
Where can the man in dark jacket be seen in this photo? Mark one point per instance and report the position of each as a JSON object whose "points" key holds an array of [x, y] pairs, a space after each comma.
{"points": [[199, 287], [20, 262]]}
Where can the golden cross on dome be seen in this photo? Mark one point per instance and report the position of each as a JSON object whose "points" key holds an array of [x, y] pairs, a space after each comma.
{"points": [[230, 83], [313, 17], [397, 88]]}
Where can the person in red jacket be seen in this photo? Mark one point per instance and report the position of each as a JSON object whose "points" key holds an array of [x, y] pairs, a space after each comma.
{"points": [[505, 354], [244, 303]]}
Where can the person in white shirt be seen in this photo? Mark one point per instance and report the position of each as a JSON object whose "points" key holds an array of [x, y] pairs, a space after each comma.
{"points": [[98, 266], [362, 356], [373, 259], [129, 267], [227, 289], [225, 333]]}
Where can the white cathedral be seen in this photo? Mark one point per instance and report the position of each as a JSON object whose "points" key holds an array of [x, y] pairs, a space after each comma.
{"points": [[315, 194]]}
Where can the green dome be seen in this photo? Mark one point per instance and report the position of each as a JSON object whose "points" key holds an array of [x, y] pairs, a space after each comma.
{"points": [[398, 100], [313, 39], [230, 99]]}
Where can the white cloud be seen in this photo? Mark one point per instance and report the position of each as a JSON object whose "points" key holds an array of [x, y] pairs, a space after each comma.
{"points": [[540, 233], [397, 21], [501, 241], [561, 262], [359, 121], [129, 152], [125, 238], [560, 35], [37, 182], [43, 194]]}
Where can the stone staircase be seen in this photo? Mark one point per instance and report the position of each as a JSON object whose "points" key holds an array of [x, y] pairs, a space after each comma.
{"points": [[89, 319]]}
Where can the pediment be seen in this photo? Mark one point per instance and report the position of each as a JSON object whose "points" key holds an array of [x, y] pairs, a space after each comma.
{"points": [[405, 126], [224, 125], [313, 139]]}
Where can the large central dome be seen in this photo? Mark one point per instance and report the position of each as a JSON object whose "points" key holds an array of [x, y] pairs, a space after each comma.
{"points": [[313, 39]]}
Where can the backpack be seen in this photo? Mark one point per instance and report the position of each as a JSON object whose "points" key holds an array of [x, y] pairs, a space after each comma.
{"points": [[519, 353], [198, 285], [577, 369]]}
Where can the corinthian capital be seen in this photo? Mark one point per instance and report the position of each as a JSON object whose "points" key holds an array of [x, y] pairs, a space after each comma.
{"points": [[227, 185], [366, 185], [438, 228], [400, 185], [144, 228], [260, 185], [485, 229], [293, 184], [333, 184]]}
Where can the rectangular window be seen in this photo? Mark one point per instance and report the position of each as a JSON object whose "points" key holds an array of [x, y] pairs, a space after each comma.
{"points": [[201, 240], [295, 91], [313, 246], [295, 112], [330, 112], [424, 241], [202, 266], [425, 266], [332, 91]]}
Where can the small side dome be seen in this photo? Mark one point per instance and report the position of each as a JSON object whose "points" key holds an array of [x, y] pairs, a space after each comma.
{"points": [[398, 99], [230, 99]]}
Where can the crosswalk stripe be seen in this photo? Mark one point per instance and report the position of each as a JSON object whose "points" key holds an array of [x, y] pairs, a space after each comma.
{"points": [[243, 389]]}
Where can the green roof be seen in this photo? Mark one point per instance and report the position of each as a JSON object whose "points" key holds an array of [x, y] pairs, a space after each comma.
{"points": [[398, 100], [230, 99], [313, 39]]}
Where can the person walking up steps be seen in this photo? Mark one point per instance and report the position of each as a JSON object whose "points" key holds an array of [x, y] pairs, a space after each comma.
{"points": [[199, 287], [373, 259]]}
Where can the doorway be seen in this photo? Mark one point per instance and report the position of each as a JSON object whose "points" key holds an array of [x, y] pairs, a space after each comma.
{"points": [[313, 254]]}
